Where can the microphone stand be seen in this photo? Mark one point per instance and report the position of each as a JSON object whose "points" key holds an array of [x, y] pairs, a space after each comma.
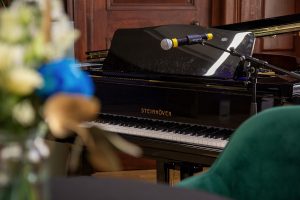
{"points": [[253, 70]]}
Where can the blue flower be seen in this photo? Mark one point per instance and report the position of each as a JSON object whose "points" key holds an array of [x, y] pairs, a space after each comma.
{"points": [[64, 76]]}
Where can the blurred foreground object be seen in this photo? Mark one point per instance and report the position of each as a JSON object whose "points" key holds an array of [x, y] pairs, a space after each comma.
{"points": [[65, 114]]}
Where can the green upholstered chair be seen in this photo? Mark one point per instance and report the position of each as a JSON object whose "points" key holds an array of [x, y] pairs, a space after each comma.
{"points": [[261, 161]]}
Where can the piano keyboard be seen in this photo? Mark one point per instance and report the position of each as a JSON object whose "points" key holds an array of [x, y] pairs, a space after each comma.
{"points": [[165, 130]]}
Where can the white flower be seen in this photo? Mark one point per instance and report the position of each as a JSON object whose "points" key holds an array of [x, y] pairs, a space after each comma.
{"points": [[41, 147], [33, 156], [22, 80], [12, 151], [10, 56], [4, 179], [23, 113], [37, 50], [57, 10], [13, 25], [63, 37]]}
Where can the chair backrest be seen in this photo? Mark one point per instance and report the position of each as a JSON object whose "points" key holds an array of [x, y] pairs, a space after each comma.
{"points": [[261, 161]]}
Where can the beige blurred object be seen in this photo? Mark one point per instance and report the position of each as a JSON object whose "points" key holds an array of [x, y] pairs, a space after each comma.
{"points": [[108, 143], [65, 114]]}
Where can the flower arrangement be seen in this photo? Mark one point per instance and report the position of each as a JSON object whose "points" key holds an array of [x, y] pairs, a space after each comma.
{"points": [[26, 45], [41, 89]]}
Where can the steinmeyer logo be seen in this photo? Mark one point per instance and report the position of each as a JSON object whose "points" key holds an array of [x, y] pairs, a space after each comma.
{"points": [[158, 112]]}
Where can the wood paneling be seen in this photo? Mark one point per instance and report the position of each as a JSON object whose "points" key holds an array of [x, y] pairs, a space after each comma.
{"points": [[217, 12], [278, 8], [232, 11], [150, 4], [152, 1], [251, 10], [278, 43], [283, 43], [297, 37]]}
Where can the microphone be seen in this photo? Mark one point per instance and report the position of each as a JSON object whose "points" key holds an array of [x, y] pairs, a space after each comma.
{"points": [[167, 44]]}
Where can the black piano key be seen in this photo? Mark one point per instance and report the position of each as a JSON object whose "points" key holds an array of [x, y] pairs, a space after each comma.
{"points": [[197, 130], [210, 132]]}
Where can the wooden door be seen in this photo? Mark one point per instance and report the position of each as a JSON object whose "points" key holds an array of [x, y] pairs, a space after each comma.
{"points": [[98, 19]]}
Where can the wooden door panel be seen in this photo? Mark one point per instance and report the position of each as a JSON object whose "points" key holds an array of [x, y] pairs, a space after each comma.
{"points": [[149, 4], [278, 8], [251, 10], [278, 43], [152, 1], [284, 42]]}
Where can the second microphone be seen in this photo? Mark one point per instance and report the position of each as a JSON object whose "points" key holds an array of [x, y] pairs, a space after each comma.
{"points": [[167, 44]]}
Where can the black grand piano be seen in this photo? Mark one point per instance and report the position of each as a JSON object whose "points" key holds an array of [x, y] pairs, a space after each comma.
{"points": [[182, 105]]}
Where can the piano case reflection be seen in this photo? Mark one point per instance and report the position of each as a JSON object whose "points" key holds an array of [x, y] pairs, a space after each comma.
{"points": [[182, 105]]}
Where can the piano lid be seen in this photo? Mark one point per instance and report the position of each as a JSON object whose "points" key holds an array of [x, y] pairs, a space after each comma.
{"points": [[138, 51]]}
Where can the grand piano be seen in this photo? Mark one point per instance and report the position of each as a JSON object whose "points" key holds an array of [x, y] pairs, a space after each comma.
{"points": [[181, 106]]}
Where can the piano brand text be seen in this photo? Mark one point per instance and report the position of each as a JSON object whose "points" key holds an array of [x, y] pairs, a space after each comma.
{"points": [[158, 112]]}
